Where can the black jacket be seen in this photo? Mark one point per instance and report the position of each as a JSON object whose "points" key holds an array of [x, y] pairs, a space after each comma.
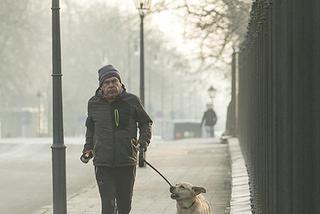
{"points": [[209, 117], [111, 126]]}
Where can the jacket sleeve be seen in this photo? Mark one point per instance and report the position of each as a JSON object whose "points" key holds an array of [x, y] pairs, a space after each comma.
{"points": [[215, 118], [144, 123], [89, 133], [203, 118]]}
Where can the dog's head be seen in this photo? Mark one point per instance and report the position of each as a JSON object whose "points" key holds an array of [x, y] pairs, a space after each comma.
{"points": [[184, 190]]}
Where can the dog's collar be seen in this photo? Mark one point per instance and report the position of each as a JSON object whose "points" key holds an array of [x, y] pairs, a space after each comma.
{"points": [[189, 206]]}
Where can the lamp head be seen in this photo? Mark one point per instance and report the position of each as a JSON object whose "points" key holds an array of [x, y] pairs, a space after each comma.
{"points": [[212, 92], [143, 5]]}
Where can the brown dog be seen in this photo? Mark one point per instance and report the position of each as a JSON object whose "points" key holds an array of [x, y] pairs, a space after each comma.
{"points": [[189, 200]]}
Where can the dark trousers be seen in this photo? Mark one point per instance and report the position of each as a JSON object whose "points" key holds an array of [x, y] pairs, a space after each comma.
{"points": [[115, 183], [210, 131]]}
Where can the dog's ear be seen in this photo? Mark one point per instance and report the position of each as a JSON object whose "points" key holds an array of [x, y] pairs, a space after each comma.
{"points": [[198, 190]]}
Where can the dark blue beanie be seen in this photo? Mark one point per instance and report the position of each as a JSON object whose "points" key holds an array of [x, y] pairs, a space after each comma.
{"points": [[108, 71]]}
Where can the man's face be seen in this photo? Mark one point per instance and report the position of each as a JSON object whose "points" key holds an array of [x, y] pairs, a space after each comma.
{"points": [[111, 87]]}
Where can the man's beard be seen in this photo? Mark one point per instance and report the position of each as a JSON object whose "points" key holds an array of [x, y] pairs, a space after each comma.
{"points": [[111, 94]]}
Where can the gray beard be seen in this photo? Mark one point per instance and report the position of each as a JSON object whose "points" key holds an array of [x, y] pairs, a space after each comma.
{"points": [[111, 96]]}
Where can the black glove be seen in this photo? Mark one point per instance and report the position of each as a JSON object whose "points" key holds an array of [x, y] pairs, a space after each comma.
{"points": [[86, 156], [143, 145]]}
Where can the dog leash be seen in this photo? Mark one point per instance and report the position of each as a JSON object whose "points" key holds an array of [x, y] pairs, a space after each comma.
{"points": [[157, 171], [149, 164]]}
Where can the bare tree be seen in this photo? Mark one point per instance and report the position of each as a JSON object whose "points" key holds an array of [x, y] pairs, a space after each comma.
{"points": [[216, 25], [21, 49]]}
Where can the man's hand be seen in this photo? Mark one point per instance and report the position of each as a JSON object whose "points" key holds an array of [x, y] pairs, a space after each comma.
{"points": [[86, 156], [139, 145], [143, 146]]}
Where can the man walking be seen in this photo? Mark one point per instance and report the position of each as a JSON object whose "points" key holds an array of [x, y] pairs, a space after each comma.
{"points": [[111, 139], [209, 119]]}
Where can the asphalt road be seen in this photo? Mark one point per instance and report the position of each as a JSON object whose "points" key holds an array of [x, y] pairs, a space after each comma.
{"points": [[26, 175]]}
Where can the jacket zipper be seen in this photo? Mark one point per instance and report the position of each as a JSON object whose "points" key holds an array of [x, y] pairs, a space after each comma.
{"points": [[113, 138], [116, 117], [116, 121]]}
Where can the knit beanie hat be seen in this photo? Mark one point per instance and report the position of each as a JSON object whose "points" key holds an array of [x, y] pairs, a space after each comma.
{"points": [[106, 72]]}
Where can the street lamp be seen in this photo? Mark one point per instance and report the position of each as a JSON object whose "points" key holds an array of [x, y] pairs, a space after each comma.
{"points": [[212, 93], [143, 6], [39, 95]]}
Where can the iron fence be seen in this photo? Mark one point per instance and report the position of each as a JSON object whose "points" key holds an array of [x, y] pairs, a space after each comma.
{"points": [[279, 106]]}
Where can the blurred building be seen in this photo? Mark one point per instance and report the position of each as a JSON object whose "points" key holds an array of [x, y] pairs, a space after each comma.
{"points": [[23, 122]]}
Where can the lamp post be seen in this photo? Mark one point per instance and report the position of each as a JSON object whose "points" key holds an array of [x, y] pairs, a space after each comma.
{"points": [[212, 93], [58, 147], [39, 95], [143, 6]]}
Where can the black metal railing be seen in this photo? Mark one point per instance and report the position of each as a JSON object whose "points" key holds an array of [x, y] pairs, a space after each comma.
{"points": [[278, 106]]}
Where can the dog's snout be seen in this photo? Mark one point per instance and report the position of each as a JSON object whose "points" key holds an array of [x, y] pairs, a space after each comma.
{"points": [[171, 188]]}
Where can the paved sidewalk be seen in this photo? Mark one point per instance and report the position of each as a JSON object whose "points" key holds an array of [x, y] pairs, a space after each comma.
{"points": [[203, 162]]}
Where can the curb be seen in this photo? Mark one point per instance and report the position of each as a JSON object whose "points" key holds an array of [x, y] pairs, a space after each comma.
{"points": [[240, 191]]}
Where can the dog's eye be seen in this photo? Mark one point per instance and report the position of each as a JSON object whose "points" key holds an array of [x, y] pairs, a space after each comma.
{"points": [[182, 187]]}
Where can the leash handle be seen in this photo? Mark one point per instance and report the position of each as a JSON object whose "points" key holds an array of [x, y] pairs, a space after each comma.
{"points": [[141, 157], [157, 171]]}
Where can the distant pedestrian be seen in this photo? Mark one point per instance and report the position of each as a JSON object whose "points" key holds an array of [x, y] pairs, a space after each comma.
{"points": [[111, 139], [209, 119]]}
